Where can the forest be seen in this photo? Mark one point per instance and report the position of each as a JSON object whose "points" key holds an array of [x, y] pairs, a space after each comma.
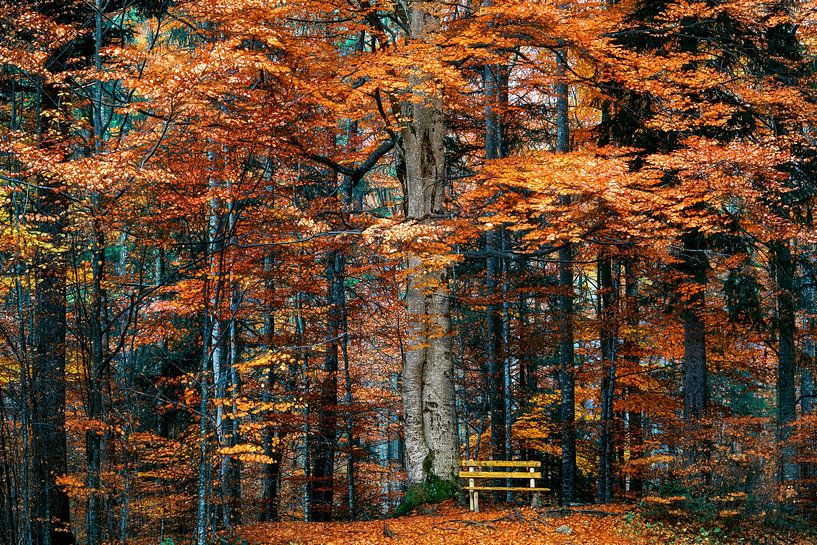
{"points": [[271, 264]]}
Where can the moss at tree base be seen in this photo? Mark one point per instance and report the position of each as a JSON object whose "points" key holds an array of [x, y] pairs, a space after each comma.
{"points": [[433, 490]]}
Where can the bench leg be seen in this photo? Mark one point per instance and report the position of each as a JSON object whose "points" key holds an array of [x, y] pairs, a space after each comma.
{"points": [[471, 492], [534, 501], [476, 501]]}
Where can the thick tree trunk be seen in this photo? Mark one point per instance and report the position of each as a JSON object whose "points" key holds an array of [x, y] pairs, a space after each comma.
{"points": [[428, 386], [428, 373], [50, 509], [51, 513]]}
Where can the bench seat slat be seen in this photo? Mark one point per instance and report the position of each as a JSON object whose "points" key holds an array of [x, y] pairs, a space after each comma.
{"points": [[512, 488], [499, 463], [500, 475]]}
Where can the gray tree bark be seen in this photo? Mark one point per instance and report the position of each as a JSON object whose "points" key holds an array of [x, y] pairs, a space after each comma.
{"points": [[428, 373]]}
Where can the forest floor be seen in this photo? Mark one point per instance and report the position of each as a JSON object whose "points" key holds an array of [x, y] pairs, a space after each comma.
{"points": [[449, 524]]}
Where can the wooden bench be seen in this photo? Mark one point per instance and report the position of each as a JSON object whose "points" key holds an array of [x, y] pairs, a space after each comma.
{"points": [[500, 469]]}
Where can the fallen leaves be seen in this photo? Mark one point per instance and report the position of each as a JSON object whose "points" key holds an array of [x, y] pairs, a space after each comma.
{"points": [[452, 525]]}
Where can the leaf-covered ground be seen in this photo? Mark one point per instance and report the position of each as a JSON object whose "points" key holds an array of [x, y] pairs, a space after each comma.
{"points": [[452, 525]]}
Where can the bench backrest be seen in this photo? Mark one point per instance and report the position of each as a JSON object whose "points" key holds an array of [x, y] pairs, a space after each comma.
{"points": [[500, 469], [500, 463]]}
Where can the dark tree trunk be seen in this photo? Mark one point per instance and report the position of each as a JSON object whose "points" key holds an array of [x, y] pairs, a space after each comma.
{"points": [[270, 441], [51, 510], [607, 339], [494, 348], [808, 392], [783, 266], [635, 419], [493, 84], [567, 379], [351, 494], [51, 513], [694, 266], [324, 441], [94, 435], [272, 478], [231, 480], [8, 496]]}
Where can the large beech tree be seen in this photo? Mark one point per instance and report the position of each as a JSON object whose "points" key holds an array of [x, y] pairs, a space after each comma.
{"points": [[428, 370]]}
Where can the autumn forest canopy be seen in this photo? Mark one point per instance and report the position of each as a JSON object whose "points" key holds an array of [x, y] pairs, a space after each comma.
{"points": [[265, 261]]}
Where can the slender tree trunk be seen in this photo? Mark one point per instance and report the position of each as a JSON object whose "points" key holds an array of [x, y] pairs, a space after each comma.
{"points": [[232, 472], [349, 401], [567, 381], [635, 420], [808, 387], [8, 500], [300, 334], [95, 433], [493, 322], [694, 266], [270, 441], [324, 441], [204, 474], [492, 80], [607, 304], [507, 394], [22, 297], [808, 392], [231, 465], [211, 358], [784, 265]]}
